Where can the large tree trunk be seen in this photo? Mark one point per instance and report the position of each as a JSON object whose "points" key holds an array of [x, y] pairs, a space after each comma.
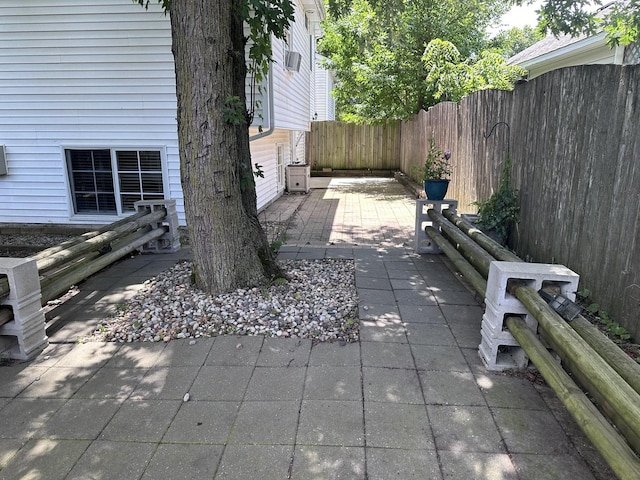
{"points": [[230, 248]]}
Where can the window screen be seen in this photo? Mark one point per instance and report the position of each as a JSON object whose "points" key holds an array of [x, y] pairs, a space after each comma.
{"points": [[91, 181], [140, 177], [97, 178]]}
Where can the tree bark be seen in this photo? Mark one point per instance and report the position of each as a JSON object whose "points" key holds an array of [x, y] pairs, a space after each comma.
{"points": [[230, 248]]}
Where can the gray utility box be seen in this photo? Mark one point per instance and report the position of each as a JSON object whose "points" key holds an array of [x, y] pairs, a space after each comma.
{"points": [[298, 178]]}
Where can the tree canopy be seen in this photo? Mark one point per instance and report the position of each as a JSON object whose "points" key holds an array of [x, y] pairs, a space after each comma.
{"points": [[514, 40], [376, 50], [620, 18], [450, 77]]}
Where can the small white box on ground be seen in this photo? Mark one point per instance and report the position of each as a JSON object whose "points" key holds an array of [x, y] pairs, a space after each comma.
{"points": [[298, 178]]}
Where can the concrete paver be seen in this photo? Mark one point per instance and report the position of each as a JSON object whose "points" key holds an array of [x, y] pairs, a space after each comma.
{"points": [[411, 400]]}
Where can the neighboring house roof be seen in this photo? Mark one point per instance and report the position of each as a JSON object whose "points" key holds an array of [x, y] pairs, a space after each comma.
{"points": [[554, 52], [546, 45]]}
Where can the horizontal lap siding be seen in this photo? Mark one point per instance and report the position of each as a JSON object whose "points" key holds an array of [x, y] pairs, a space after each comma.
{"points": [[325, 109], [80, 74], [264, 153], [292, 89]]}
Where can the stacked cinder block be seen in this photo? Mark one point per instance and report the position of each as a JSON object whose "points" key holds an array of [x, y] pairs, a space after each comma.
{"points": [[23, 337], [424, 243], [170, 241], [498, 349]]}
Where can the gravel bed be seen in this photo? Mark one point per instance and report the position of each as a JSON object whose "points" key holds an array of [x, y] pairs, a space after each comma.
{"points": [[318, 301]]}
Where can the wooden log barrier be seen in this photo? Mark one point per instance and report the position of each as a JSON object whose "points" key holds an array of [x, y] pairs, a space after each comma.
{"points": [[600, 366], [478, 282], [620, 402], [608, 350], [604, 437], [59, 267], [63, 283], [86, 236], [66, 251], [475, 254], [494, 249], [58, 258]]}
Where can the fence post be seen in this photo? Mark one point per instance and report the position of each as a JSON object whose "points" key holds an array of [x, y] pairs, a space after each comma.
{"points": [[28, 324], [170, 241]]}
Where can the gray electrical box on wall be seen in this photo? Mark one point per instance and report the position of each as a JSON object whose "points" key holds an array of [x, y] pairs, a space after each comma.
{"points": [[3, 161]]}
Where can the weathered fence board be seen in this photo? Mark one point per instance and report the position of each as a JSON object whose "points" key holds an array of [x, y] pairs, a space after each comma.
{"points": [[344, 146]]}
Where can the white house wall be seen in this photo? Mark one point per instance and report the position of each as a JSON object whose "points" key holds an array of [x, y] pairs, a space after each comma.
{"points": [[325, 103], [292, 89], [79, 74], [264, 153]]}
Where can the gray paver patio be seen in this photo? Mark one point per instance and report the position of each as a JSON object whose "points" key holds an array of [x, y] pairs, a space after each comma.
{"points": [[411, 400]]}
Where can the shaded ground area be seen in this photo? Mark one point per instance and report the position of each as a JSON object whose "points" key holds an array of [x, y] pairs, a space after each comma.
{"points": [[411, 400]]}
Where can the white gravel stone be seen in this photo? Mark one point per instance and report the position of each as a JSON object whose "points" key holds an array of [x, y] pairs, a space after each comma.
{"points": [[318, 301]]}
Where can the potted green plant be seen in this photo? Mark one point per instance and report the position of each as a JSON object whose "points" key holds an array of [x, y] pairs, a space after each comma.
{"points": [[498, 213], [435, 172]]}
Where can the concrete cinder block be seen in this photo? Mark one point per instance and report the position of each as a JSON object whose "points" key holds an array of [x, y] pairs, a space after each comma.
{"points": [[23, 337], [22, 275], [497, 334], [170, 241], [495, 315], [534, 275], [498, 357], [424, 243]]}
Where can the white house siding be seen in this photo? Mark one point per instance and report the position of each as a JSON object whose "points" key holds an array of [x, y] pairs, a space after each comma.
{"points": [[257, 92], [78, 74], [100, 74], [325, 104], [291, 89], [264, 153], [298, 144]]}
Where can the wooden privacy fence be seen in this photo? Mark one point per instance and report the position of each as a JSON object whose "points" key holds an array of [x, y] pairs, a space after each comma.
{"points": [[27, 284], [516, 314], [572, 136], [345, 146]]}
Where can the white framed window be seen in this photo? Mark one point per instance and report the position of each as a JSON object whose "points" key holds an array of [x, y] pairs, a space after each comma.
{"points": [[107, 181]]}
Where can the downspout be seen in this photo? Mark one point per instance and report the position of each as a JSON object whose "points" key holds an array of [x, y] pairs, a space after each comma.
{"points": [[271, 128]]}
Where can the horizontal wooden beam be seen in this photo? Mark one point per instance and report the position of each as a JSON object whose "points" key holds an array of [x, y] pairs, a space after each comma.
{"points": [[616, 396], [622, 460]]}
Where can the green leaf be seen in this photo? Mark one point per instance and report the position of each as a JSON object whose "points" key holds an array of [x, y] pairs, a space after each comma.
{"points": [[593, 308]]}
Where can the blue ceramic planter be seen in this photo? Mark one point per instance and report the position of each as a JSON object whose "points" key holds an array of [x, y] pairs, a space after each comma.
{"points": [[436, 189]]}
